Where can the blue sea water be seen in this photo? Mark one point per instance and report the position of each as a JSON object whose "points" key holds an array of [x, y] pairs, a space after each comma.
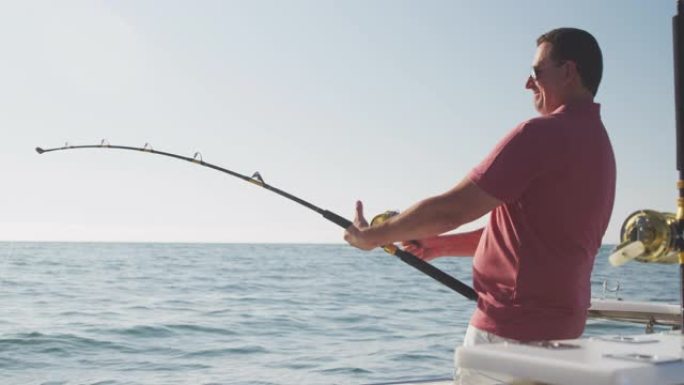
{"points": [[98, 313]]}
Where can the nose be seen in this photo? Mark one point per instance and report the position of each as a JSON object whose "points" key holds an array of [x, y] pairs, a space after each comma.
{"points": [[529, 84]]}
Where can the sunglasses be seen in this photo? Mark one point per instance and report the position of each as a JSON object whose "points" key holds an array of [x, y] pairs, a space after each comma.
{"points": [[536, 71]]}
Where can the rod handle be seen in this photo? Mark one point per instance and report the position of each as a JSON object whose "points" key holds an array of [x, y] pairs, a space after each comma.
{"points": [[417, 263], [410, 259], [437, 274]]}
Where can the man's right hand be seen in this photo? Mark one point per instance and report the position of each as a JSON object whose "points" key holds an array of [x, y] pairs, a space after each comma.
{"points": [[426, 249]]}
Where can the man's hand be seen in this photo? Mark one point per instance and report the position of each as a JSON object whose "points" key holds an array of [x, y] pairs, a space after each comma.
{"points": [[355, 234], [426, 249]]}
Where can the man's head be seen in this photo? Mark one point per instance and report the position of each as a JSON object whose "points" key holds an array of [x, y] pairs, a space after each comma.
{"points": [[567, 66]]}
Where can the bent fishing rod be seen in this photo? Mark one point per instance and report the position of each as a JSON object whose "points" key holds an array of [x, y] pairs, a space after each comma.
{"points": [[426, 268]]}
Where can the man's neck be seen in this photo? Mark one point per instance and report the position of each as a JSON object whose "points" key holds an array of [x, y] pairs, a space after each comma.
{"points": [[578, 97]]}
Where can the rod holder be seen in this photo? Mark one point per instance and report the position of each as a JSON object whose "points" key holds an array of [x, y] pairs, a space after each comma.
{"points": [[678, 48]]}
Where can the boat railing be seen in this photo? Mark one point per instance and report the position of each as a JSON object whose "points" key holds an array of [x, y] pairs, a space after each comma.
{"points": [[649, 314]]}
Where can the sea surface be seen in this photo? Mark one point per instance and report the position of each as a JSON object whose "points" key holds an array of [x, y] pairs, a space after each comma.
{"points": [[116, 313]]}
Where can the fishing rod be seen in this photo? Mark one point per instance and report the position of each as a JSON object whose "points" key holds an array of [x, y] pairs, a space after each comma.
{"points": [[426, 268]]}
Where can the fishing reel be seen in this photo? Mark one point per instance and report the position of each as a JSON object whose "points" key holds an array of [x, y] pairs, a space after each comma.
{"points": [[647, 236], [380, 218]]}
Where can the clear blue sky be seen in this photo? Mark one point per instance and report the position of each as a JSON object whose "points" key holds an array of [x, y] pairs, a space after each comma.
{"points": [[385, 101]]}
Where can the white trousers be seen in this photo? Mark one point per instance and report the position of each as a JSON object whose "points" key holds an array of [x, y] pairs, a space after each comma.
{"points": [[475, 336]]}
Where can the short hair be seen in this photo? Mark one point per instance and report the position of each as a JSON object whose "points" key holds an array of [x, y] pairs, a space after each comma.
{"points": [[580, 47]]}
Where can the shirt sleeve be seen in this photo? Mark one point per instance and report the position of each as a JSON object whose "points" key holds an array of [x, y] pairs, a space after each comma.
{"points": [[525, 153]]}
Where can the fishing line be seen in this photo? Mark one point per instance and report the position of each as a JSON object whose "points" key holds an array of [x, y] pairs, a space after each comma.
{"points": [[256, 179]]}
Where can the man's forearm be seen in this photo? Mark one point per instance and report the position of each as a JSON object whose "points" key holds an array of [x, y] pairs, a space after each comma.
{"points": [[461, 244], [430, 217], [426, 218]]}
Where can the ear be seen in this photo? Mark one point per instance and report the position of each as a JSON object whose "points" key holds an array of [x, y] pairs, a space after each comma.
{"points": [[570, 71]]}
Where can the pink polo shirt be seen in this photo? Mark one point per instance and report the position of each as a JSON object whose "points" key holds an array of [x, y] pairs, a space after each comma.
{"points": [[556, 178]]}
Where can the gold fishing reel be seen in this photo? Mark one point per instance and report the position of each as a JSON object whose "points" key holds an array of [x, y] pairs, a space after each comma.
{"points": [[380, 218], [647, 236]]}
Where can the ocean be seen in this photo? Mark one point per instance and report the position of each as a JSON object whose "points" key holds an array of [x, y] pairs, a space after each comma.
{"points": [[145, 313]]}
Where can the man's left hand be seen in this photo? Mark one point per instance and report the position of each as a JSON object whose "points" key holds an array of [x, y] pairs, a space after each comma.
{"points": [[356, 234]]}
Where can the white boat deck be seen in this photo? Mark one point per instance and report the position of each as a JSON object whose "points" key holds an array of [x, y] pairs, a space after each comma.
{"points": [[657, 357], [607, 360]]}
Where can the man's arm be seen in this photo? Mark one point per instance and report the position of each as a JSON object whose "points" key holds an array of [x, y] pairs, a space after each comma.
{"points": [[432, 216], [455, 245]]}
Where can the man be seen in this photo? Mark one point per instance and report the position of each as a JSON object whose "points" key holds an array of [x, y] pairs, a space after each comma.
{"points": [[549, 185]]}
